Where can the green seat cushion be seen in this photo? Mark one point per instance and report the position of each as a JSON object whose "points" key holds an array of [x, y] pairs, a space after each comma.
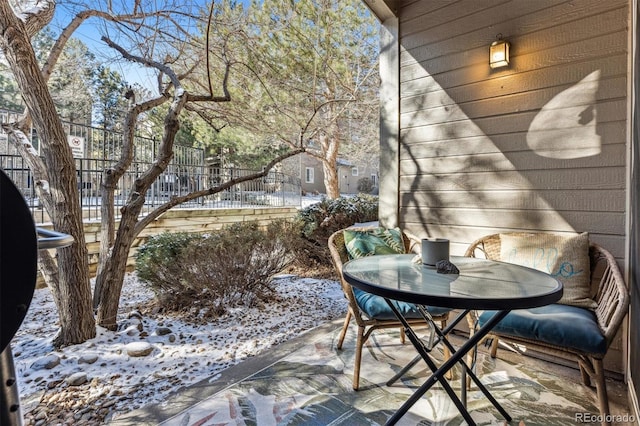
{"points": [[558, 325]]}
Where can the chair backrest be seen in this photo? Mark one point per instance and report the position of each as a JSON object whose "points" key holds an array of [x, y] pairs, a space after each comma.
{"points": [[608, 287], [339, 256]]}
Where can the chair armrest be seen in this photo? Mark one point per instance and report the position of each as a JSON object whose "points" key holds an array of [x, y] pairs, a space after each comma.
{"points": [[412, 243], [487, 247], [612, 295]]}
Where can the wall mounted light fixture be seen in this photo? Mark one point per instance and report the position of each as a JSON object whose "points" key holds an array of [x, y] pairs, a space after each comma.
{"points": [[499, 53]]}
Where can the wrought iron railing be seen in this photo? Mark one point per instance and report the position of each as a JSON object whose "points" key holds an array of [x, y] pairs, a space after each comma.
{"points": [[95, 147], [274, 190]]}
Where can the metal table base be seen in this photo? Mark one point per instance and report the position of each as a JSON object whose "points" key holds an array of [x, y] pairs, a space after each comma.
{"points": [[457, 356]]}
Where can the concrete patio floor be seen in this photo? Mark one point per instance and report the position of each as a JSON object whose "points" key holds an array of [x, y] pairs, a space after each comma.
{"points": [[307, 381]]}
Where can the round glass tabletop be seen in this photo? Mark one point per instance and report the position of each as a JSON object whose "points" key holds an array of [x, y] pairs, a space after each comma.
{"points": [[481, 284]]}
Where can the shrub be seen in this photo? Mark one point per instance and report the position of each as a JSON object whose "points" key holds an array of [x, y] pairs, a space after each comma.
{"points": [[316, 224], [156, 260], [365, 185], [211, 273]]}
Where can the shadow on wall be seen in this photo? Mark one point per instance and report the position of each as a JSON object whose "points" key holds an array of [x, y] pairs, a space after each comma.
{"points": [[507, 169]]}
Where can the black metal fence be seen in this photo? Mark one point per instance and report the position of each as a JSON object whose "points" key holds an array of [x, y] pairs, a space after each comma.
{"points": [[274, 190], [95, 149]]}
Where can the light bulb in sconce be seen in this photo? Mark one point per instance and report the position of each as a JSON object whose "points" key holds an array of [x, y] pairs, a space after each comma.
{"points": [[499, 53]]}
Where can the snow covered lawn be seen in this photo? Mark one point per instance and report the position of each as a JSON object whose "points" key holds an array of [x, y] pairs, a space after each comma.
{"points": [[153, 354]]}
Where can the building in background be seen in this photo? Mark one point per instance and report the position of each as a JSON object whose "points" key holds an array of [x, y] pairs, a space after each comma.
{"points": [[354, 177]]}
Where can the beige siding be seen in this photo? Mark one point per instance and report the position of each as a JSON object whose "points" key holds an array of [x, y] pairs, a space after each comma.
{"points": [[540, 145], [466, 168], [349, 183]]}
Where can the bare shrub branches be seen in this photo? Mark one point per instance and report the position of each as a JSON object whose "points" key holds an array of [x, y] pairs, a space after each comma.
{"points": [[181, 271]]}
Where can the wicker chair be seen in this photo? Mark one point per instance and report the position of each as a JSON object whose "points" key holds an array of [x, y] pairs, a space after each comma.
{"points": [[608, 290], [365, 324]]}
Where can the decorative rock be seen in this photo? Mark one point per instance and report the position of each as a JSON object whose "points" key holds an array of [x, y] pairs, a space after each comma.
{"points": [[446, 267], [162, 331], [137, 349], [47, 362], [76, 379], [172, 338], [109, 403], [88, 359], [131, 323], [52, 384], [137, 322]]}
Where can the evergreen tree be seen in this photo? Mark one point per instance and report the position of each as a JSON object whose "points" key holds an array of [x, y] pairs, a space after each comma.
{"points": [[9, 93], [110, 105], [306, 71], [71, 81]]}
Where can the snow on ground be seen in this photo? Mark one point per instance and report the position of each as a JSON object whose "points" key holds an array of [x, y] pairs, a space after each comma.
{"points": [[181, 352]]}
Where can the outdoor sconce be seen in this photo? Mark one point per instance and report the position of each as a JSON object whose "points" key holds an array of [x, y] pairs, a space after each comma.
{"points": [[499, 53]]}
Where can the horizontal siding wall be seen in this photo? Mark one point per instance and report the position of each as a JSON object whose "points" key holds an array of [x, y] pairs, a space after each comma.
{"points": [[539, 145], [466, 169]]}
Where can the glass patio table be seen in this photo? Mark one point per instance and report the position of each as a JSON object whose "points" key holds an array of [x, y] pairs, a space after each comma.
{"points": [[480, 285]]}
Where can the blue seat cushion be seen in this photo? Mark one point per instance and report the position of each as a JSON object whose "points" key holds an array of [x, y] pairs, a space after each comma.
{"points": [[559, 325], [375, 307]]}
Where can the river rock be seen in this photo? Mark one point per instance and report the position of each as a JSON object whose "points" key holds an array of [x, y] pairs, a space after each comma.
{"points": [[88, 359], [76, 379], [137, 349], [135, 314], [46, 362], [161, 331]]}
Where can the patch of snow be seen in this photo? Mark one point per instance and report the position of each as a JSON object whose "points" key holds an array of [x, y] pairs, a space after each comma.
{"points": [[182, 353]]}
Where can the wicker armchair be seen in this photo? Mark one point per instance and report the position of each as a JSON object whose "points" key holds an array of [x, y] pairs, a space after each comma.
{"points": [[365, 324], [608, 290]]}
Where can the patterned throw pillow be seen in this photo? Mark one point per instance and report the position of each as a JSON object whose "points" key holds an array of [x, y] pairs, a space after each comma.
{"points": [[369, 242], [566, 258]]}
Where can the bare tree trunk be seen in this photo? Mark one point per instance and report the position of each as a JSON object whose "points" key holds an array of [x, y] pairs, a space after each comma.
{"points": [[112, 276], [109, 282], [107, 230], [76, 316], [107, 207], [329, 159], [331, 181]]}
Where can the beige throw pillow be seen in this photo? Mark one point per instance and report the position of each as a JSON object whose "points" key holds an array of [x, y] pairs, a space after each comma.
{"points": [[563, 257]]}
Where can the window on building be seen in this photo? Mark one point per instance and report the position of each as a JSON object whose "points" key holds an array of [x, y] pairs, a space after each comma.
{"points": [[374, 179], [309, 175], [354, 171]]}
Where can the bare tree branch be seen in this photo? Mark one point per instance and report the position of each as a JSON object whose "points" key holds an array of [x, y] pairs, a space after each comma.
{"points": [[144, 222], [35, 163], [36, 16], [144, 61]]}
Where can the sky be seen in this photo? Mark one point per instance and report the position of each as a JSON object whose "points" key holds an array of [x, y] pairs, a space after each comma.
{"points": [[90, 33], [91, 30]]}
